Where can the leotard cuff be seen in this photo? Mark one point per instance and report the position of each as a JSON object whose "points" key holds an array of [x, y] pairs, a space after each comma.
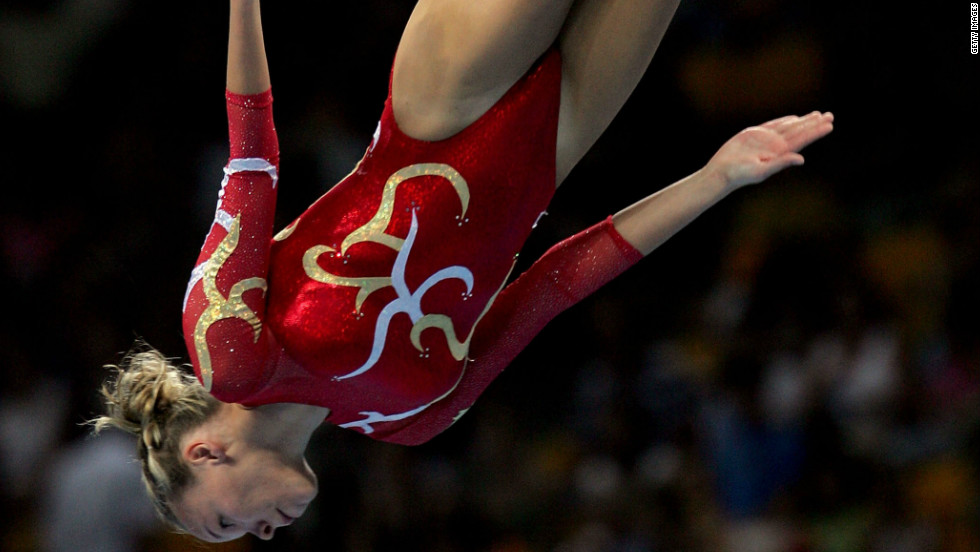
{"points": [[250, 101], [624, 246]]}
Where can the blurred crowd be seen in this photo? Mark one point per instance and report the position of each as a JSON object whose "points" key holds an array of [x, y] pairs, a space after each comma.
{"points": [[798, 371]]}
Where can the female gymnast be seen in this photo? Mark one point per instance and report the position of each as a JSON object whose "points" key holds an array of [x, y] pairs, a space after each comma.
{"points": [[385, 308]]}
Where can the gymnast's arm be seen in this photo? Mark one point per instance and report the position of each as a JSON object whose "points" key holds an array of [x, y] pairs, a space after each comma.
{"points": [[749, 157], [576, 267], [248, 68], [225, 301]]}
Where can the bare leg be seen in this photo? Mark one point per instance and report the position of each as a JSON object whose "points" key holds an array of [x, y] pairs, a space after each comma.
{"points": [[456, 58], [606, 46]]}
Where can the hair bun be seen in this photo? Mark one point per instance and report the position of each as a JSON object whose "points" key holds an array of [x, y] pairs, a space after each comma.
{"points": [[157, 402], [143, 395]]}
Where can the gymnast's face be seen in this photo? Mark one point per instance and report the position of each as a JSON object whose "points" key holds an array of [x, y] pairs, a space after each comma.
{"points": [[254, 491]]}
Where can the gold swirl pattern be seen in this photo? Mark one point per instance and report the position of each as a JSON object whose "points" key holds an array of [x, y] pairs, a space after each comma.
{"points": [[456, 347], [374, 230], [407, 301], [458, 350], [220, 308], [366, 286], [285, 232]]}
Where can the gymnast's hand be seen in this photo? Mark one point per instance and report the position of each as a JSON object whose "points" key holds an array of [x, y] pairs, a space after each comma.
{"points": [[759, 152], [751, 156]]}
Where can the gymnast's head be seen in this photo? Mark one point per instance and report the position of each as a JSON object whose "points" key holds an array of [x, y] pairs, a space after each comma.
{"points": [[208, 467]]}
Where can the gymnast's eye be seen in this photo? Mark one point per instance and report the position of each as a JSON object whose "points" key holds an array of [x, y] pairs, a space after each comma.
{"points": [[224, 524]]}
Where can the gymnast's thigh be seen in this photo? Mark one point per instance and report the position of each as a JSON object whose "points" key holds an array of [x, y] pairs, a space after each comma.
{"points": [[456, 58], [605, 47]]}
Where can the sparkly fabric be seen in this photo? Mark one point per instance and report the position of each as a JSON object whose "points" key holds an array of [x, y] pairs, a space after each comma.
{"points": [[566, 274], [381, 292], [225, 301]]}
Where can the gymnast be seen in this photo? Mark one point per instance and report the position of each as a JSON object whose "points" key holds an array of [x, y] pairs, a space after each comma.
{"points": [[389, 305]]}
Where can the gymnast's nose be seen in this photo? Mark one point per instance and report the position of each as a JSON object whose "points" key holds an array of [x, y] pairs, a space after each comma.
{"points": [[264, 530]]}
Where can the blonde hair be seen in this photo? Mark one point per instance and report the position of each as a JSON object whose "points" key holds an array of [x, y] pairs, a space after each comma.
{"points": [[157, 402]]}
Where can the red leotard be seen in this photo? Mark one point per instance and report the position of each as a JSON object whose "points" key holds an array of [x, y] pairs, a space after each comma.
{"points": [[383, 301]]}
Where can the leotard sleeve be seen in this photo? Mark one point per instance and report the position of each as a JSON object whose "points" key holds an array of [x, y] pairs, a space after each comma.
{"points": [[567, 273], [225, 301]]}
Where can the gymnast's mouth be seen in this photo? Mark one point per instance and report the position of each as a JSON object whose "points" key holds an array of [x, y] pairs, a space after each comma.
{"points": [[287, 519]]}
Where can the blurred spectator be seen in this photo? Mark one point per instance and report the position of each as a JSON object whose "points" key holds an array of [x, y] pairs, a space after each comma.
{"points": [[94, 499], [30, 431]]}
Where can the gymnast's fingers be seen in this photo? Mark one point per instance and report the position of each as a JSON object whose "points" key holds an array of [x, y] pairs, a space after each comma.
{"points": [[808, 129]]}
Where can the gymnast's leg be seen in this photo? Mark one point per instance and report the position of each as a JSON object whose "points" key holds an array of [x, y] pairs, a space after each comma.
{"points": [[606, 46], [456, 58]]}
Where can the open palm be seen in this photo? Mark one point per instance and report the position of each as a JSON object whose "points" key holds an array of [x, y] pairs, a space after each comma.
{"points": [[759, 152]]}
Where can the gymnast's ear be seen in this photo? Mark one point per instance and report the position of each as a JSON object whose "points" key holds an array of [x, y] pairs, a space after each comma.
{"points": [[201, 452]]}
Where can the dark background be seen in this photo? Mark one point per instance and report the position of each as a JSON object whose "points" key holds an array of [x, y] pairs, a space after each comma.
{"points": [[799, 370]]}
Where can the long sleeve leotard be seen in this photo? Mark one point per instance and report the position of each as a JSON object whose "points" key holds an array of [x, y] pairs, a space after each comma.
{"points": [[387, 301]]}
